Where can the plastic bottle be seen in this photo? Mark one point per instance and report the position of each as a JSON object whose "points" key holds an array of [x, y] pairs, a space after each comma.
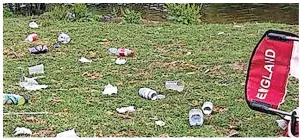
{"points": [[32, 37], [121, 52], [174, 85], [15, 99], [148, 93]]}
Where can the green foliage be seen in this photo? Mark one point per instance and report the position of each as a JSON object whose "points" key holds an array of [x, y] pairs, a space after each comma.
{"points": [[76, 12], [132, 16], [57, 12], [7, 13], [79, 10], [183, 13]]}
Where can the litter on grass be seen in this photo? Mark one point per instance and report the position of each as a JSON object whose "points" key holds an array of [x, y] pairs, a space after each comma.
{"points": [[282, 124], [196, 117], [38, 69], [22, 131], [33, 25], [70, 134], [56, 45], [64, 38], [207, 108], [109, 90], [174, 85], [39, 49], [121, 52], [32, 37], [84, 60], [160, 123], [150, 94], [14, 99], [120, 61], [31, 84], [123, 110]]}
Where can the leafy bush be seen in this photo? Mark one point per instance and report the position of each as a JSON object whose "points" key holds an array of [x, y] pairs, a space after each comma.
{"points": [[76, 12], [79, 10], [132, 16], [183, 13], [7, 13], [55, 12]]}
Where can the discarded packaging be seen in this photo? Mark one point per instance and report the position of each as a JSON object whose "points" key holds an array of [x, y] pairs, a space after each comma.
{"points": [[196, 117], [64, 38], [38, 49], [31, 84], [120, 61], [38, 69], [15, 99], [70, 134], [174, 85], [22, 131], [33, 25], [123, 110], [109, 90], [56, 45], [32, 37], [150, 94], [160, 123], [160, 96], [84, 60], [121, 52], [207, 108], [282, 124]]}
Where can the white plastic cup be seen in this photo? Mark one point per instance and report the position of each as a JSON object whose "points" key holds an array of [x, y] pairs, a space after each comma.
{"points": [[36, 69], [207, 108], [174, 85], [196, 117]]}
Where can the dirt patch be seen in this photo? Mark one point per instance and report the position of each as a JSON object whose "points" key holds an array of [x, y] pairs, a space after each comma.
{"points": [[163, 135], [240, 66], [12, 54], [239, 100], [34, 120], [93, 75], [220, 109], [122, 133], [217, 70]]}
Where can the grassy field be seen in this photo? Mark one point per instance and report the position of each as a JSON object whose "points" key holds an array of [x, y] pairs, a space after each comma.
{"points": [[164, 52]]}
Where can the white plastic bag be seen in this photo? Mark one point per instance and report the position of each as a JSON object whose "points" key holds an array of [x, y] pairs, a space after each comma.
{"points": [[84, 60], [109, 90], [33, 25], [22, 130], [123, 110], [64, 38], [70, 134]]}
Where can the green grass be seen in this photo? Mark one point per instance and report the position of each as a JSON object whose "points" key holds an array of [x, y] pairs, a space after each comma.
{"points": [[161, 56]]}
